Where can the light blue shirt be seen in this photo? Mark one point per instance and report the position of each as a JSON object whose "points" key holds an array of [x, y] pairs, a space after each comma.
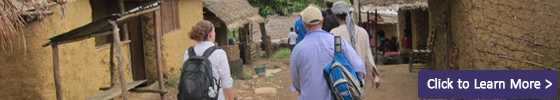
{"points": [[308, 59]]}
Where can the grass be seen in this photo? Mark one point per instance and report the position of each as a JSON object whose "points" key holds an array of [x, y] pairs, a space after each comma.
{"points": [[283, 53]]}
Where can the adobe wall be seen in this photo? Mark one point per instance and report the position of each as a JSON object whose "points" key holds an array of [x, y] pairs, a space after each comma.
{"points": [[518, 34], [175, 43], [84, 68], [502, 34], [27, 75]]}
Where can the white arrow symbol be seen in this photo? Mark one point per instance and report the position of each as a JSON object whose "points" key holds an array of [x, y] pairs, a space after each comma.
{"points": [[549, 83]]}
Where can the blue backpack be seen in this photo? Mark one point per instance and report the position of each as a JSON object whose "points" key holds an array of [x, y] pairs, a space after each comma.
{"points": [[341, 77]]}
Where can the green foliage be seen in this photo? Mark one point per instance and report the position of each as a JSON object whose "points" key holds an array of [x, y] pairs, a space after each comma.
{"points": [[232, 34], [280, 7], [283, 53]]}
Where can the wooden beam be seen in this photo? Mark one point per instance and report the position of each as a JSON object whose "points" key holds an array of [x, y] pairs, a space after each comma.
{"points": [[115, 91], [118, 54], [138, 13], [159, 32], [150, 90], [56, 71]]}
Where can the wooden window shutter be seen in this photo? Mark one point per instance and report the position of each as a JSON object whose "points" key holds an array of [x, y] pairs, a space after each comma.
{"points": [[169, 15]]}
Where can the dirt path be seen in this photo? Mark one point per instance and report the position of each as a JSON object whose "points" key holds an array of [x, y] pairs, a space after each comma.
{"points": [[280, 81], [397, 84]]}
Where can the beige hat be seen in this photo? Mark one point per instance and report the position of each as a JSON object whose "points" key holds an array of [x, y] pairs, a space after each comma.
{"points": [[311, 15]]}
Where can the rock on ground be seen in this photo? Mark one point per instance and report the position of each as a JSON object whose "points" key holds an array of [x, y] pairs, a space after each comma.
{"points": [[265, 90]]}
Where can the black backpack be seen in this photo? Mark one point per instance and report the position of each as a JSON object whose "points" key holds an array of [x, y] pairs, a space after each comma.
{"points": [[197, 81]]}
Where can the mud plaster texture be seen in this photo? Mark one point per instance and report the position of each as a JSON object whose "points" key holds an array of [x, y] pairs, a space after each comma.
{"points": [[496, 34], [27, 74]]}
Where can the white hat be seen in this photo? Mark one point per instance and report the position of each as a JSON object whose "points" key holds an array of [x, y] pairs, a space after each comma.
{"points": [[341, 7], [311, 15]]}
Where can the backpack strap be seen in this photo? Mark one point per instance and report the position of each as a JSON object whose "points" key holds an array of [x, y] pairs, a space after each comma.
{"points": [[191, 52], [209, 51], [337, 44]]}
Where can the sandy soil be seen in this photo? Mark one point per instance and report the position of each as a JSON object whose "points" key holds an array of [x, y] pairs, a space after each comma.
{"points": [[397, 84]]}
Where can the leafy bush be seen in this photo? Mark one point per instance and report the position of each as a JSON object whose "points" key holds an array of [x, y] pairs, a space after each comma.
{"points": [[280, 7]]}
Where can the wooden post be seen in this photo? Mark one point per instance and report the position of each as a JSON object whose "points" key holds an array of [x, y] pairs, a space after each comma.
{"points": [[56, 71], [158, 53], [266, 40], [124, 25], [375, 20], [117, 47], [113, 68]]}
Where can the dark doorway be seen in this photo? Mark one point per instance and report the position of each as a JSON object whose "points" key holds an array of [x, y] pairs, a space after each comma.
{"points": [[244, 37], [220, 27], [408, 30], [137, 29], [103, 8]]}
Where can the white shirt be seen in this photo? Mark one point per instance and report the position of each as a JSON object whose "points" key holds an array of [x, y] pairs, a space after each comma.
{"points": [[362, 42], [220, 65], [292, 36]]}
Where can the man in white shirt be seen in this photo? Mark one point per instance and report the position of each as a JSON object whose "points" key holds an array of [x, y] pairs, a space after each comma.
{"points": [[357, 35], [292, 36]]}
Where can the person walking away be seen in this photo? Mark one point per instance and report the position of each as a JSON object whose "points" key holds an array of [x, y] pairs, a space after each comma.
{"points": [[204, 35], [299, 27], [312, 54], [357, 35], [292, 36], [329, 17]]}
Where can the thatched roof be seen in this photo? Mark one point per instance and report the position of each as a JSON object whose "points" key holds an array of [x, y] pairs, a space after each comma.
{"points": [[234, 13], [11, 24], [418, 5], [389, 13], [390, 2], [15, 13]]}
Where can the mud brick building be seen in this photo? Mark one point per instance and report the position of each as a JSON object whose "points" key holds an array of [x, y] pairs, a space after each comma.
{"points": [[27, 71], [495, 34]]}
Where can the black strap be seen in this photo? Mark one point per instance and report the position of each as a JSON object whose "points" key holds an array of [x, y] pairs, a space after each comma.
{"points": [[209, 51], [191, 52], [206, 53]]}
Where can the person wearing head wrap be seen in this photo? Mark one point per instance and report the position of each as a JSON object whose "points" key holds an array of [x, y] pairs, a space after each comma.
{"points": [[357, 35], [329, 18]]}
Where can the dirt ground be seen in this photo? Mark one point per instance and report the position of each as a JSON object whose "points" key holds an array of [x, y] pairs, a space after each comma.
{"points": [[397, 84]]}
